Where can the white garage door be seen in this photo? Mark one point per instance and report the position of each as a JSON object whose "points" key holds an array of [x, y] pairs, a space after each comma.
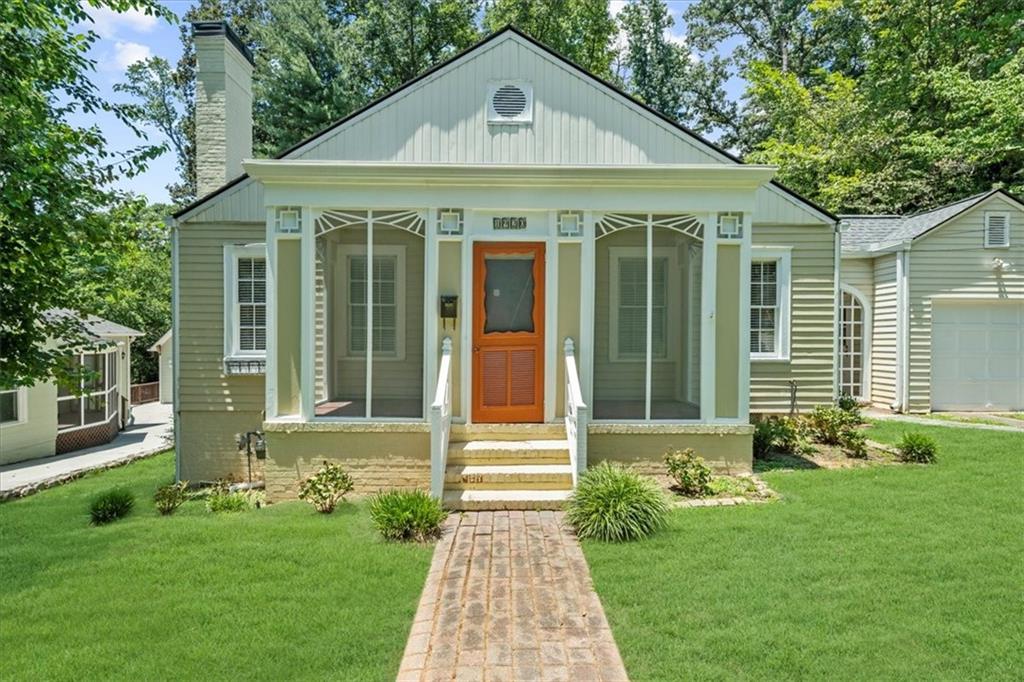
{"points": [[977, 356]]}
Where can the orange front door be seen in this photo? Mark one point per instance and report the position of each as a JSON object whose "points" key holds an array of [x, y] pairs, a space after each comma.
{"points": [[508, 332]]}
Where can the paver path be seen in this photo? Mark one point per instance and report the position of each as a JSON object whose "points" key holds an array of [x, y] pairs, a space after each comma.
{"points": [[1008, 424], [509, 597]]}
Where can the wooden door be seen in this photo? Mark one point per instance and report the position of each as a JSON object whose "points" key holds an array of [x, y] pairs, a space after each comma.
{"points": [[508, 332]]}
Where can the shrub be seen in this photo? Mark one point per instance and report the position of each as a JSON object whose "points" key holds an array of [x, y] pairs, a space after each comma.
{"points": [[855, 444], [615, 504], [847, 403], [917, 447], [223, 501], [326, 488], [778, 434], [111, 505], [169, 497], [691, 475], [407, 515], [829, 424]]}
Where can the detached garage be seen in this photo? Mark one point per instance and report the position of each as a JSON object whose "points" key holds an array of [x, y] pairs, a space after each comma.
{"points": [[943, 291], [977, 356]]}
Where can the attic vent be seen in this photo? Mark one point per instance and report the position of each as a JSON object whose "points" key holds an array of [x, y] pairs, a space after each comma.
{"points": [[997, 229], [509, 103]]}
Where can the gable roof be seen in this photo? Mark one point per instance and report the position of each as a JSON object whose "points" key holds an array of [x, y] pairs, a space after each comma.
{"points": [[95, 327], [874, 232], [710, 148]]}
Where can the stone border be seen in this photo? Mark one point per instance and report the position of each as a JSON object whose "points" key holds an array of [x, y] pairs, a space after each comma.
{"points": [[33, 488], [769, 495]]}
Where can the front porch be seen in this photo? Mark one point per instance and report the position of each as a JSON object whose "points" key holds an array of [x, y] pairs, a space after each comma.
{"points": [[568, 314]]}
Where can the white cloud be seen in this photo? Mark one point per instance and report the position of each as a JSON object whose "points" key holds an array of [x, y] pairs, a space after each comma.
{"points": [[127, 53], [107, 23], [615, 6]]}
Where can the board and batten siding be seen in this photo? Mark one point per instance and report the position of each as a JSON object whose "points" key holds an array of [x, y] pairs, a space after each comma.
{"points": [[812, 296], [951, 262], [212, 407]]}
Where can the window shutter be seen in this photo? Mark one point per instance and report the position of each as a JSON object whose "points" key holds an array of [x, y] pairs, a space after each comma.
{"points": [[997, 229]]}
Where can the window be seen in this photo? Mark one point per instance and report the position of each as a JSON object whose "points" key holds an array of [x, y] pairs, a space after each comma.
{"points": [[769, 303], [97, 397], [997, 229], [853, 339], [388, 295], [12, 407], [629, 298], [245, 301]]}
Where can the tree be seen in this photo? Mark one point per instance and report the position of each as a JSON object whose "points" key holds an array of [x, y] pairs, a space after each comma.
{"points": [[580, 30], [653, 64], [54, 178]]}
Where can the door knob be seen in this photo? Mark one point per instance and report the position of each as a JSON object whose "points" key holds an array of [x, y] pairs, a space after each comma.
{"points": [[476, 349]]}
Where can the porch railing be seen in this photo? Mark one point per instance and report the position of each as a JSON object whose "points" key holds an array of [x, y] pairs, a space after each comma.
{"points": [[145, 393], [441, 420], [576, 413]]}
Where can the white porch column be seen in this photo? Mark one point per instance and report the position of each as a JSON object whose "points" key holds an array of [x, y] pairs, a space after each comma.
{"points": [[270, 368], [708, 293], [585, 350], [307, 378], [431, 309], [744, 355]]}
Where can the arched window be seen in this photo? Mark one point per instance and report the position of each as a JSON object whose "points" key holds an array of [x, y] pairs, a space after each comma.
{"points": [[854, 339]]}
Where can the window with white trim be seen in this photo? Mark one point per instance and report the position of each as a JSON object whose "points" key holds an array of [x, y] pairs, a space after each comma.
{"points": [[388, 301], [245, 300], [96, 399], [629, 298], [997, 229], [12, 407], [769, 303], [852, 349]]}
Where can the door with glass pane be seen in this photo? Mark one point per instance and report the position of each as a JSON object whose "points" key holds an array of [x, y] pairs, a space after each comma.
{"points": [[508, 332]]}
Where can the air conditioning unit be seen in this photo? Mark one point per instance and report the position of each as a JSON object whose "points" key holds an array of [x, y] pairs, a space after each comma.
{"points": [[509, 103]]}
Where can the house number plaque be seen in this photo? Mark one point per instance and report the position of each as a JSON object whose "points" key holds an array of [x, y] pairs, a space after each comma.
{"points": [[510, 223]]}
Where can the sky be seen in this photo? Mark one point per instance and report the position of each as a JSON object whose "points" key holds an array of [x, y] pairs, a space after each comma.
{"points": [[132, 36]]}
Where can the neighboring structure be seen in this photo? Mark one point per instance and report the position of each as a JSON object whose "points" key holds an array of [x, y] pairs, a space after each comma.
{"points": [[163, 349], [933, 307], [44, 419], [558, 275]]}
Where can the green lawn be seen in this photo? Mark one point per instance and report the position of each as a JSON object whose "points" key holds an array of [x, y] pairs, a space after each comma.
{"points": [[279, 593], [889, 572]]}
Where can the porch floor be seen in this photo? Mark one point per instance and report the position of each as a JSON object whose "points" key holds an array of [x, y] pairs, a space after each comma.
{"points": [[381, 407], [634, 409]]}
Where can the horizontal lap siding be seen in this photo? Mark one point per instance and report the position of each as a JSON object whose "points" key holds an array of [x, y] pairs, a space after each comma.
{"points": [[813, 316], [859, 273], [883, 332], [952, 262]]}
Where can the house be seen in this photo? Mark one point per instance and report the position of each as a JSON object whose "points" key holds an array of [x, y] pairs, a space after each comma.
{"points": [[46, 419], [933, 307], [163, 349], [560, 275]]}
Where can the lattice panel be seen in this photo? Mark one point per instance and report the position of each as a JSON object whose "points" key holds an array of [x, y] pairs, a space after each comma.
{"points": [[335, 219], [685, 223]]}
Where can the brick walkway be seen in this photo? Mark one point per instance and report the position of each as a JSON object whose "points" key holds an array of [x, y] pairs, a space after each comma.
{"points": [[509, 597]]}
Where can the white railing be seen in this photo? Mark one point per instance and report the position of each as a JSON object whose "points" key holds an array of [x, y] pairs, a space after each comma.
{"points": [[441, 420], [576, 414]]}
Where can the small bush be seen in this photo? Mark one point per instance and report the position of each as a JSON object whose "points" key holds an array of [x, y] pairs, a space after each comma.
{"points": [[829, 424], [691, 475], [917, 447], [169, 497], [778, 434], [223, 501], [847, 403], [405, 515], [111, 505], [326, 488], [855, 444], [616, 505]]}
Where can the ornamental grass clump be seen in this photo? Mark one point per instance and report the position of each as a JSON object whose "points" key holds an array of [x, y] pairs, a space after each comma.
{"points": [[169, 497], [111, 506], [691, 475], [917, 448], [326, 488], [614, 504], [407, 515]]}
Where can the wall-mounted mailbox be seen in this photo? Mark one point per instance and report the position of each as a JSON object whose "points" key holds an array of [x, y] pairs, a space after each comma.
{"points": [[449, 310]]}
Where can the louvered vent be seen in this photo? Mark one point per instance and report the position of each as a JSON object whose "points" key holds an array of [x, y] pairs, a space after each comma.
{"points": [[509, 103], [997, 229]]}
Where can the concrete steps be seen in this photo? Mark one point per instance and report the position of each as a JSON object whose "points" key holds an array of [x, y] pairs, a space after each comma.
{"points": [[507, 466]]}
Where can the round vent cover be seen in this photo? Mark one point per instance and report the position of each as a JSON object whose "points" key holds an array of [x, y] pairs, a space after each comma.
{"points": [[509, 101]]}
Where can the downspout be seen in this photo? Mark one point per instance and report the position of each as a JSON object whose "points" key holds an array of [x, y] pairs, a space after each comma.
{"points": [[175, 342], [838, 305], [902, 390]]}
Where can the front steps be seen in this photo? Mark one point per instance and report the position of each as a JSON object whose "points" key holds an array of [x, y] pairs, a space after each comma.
{"points": [[507, 466]]}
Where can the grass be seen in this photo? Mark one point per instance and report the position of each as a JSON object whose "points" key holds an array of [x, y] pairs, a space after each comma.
{"points": [[897, 572], [277, 593], [1013, 415]]}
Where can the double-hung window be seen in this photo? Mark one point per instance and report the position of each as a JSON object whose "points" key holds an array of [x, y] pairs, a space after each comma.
{"points": [[629, 305], [769, 303], [12, 406], [388, 301], [245, 301]]}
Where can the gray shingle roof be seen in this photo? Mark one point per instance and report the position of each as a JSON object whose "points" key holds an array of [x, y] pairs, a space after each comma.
{"points": [[97, 327], [872, 232]]}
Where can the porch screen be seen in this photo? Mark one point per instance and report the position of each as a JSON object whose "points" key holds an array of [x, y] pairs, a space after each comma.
{"points": [[647, 322]]}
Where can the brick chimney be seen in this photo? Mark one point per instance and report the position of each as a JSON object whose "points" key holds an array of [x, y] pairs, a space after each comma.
{"points": [[223, 105]]}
